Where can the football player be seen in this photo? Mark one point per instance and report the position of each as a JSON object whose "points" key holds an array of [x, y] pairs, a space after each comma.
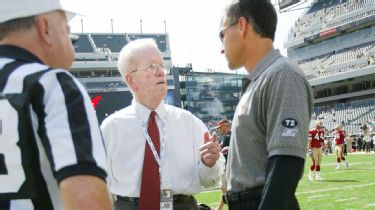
{"points": [[339, 138], [315, 145]]}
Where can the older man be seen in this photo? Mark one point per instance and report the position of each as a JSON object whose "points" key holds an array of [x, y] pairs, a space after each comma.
{"points": [[51, 150], [159, 155], [270, 125]]}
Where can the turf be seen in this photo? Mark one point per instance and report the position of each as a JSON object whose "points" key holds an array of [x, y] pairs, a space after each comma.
{"points": [[352, 188]]}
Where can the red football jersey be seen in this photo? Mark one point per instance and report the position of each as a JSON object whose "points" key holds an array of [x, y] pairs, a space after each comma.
{"points": [[339, 137], [317, 137]]}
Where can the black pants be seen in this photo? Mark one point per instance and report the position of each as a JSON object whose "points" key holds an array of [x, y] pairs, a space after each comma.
{"points": [[177, 205], [253, 204], [368, 147]]}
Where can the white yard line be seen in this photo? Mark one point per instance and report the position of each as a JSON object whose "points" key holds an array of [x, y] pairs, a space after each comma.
{"points": [[317, 196], [347, 199], [346, 170], [370, 204], [343, 165], [336, 188]]}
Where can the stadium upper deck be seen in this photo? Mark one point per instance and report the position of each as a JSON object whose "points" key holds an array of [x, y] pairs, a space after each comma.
{"points": [[107, 46], [97, 53], [325, 16], [334, 37], [334, 44]]}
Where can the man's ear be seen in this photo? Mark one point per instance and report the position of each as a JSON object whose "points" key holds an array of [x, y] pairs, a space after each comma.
{"points": [[129, 80], [244, 26], [43, 27]]}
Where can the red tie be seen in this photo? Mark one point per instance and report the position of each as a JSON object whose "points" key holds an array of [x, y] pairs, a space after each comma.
{"points": [[150, 185]]}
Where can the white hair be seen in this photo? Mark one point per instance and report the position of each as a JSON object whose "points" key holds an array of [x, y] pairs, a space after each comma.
{"points": [[129, 54]]}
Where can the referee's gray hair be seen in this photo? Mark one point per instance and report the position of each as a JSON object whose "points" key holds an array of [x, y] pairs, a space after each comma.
{"points": [[130, 53], [15, 25]]}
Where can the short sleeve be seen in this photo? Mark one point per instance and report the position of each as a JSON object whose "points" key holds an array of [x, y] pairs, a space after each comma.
{"points": [[68, 127], [288, 109]]}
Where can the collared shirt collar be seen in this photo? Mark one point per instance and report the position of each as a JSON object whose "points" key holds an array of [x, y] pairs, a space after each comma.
{"points": [[264, 63], [144, 113], [11, 51]]}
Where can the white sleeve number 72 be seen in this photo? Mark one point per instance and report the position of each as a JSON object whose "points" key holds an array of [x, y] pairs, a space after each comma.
{"points": [[12, 180], [290, 122]]}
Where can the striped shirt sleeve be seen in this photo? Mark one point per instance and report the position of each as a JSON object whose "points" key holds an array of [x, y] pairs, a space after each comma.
{"points": [[69, 128]]}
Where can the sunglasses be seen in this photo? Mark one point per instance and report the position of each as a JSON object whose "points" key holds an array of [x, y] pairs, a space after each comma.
{"points": [[221, 33]]}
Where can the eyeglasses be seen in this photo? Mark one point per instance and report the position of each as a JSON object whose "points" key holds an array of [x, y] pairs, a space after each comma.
{"points": [[151, 67], [221, 33]]}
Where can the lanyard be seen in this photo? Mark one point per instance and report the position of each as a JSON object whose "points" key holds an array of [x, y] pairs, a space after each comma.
{"points": [[149, 141]]}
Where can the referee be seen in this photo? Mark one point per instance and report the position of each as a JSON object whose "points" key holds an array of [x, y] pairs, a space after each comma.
{"points": [[51, 151]]}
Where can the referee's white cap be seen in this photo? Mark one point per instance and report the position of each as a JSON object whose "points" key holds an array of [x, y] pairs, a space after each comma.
{"points": [[14, 9]]}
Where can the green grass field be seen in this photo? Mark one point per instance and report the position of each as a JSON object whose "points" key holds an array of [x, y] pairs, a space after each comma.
{"points": [[348, 189]]}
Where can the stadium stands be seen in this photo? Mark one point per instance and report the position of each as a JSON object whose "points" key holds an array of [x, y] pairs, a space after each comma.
{"points": [[350, 115], [91, 85], [83, 45], [107, 46], [210, 96], [88, 74], [325, 15], [345, 40], [160, 39], [334, 44], [348, 59], [114, 42]]}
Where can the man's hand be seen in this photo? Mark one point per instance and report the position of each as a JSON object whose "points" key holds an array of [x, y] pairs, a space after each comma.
{"points": [[210, 150], [225, 150]]}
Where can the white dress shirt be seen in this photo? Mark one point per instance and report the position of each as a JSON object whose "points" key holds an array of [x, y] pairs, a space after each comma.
{"points": [[181, 165]]}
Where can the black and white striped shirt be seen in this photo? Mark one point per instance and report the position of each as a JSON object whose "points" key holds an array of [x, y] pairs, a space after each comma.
{"points": [[48, 132]]}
